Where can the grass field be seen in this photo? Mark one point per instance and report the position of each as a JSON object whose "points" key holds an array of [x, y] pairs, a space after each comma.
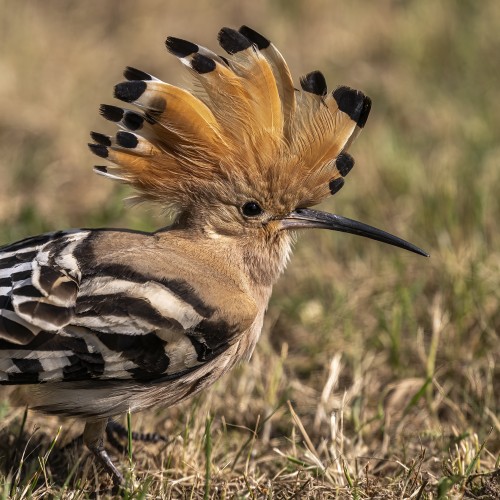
{"points": [[377, 374]]}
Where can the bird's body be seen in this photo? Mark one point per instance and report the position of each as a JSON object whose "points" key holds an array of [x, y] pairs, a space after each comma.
{"points": [[132, 317], [99, 322]]}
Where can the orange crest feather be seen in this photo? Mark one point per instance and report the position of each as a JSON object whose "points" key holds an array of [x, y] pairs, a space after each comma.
{"points": [[245, 123]]}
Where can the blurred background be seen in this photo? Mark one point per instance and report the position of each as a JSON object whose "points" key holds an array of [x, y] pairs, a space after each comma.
{"points": [[382, 353]]}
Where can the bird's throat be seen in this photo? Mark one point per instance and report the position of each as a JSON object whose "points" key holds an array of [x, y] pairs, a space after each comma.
{"points": [[265, 261]]}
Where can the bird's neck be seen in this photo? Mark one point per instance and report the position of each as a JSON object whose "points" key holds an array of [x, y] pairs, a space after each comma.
{"points": [[262, 260]]}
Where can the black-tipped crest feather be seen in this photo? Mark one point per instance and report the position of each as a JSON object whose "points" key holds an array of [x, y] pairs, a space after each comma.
{"points": [[344, 163], [233, 41], [103, 140], [351, 102], [202, 64], [179, 47], [130, 91], [336, 185], [133, 121], [314, 83], [126, 139], [246, 122], [99, 150], [132, 74], [111, 113], [256, 38]]}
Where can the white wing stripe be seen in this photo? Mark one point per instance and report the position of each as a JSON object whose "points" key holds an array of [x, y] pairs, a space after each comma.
{"points": [[5, 273], [160, 297]]}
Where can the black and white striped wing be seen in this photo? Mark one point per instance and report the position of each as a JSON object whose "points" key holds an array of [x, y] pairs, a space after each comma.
{"points": [[39, 281], [146, 327], [65, 317]]}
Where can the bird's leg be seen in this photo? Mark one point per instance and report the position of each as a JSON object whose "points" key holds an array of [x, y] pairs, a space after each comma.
{"points": [[93, 437]]}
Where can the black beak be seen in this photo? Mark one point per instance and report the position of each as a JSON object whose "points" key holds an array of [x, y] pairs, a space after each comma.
{"points": [[306, 218]]}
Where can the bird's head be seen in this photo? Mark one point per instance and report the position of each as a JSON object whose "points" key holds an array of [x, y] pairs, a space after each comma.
{"points": [[245, 154]]}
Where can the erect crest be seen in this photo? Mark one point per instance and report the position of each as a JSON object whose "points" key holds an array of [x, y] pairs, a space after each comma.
{"points": [[244, 125]]}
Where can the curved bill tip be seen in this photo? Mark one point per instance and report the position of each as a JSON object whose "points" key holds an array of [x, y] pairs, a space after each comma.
{"points": [[306, 218]]}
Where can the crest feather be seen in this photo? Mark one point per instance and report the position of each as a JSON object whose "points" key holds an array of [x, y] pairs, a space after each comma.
{"points": [[243, 123]]}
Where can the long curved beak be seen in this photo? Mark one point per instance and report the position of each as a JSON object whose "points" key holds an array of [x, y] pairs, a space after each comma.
{"points": [[306, 218]]}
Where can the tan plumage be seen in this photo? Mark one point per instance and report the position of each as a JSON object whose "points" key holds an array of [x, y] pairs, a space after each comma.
{"points": [[98, 322]]}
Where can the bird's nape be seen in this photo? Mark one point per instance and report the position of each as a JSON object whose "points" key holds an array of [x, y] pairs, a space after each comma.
{"points": [[303, 218]]}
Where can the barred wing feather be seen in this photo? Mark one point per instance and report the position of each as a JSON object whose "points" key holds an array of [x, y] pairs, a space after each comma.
{"points": [[39, 281]]}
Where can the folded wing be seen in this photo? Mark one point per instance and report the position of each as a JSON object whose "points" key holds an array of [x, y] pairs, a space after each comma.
{"points": [[66, 317]]}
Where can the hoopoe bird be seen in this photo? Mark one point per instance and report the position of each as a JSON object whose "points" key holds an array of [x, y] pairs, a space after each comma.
{"points": [[98, 322]]}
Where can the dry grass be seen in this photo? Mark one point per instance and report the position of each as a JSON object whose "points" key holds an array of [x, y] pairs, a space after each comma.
{"points": [[377, 374]]}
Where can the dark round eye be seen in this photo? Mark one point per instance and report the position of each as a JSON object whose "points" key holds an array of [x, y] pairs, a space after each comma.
{"points": [[251, 209]]}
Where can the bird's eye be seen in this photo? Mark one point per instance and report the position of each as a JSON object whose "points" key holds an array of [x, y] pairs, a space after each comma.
{"points": [[251, 209]]}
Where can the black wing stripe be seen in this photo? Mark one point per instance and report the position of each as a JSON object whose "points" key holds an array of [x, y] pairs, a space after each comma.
{"points": [[22, 378], [146, 351], [28, 365], [203, 351], [13, 330], [84, 366], [28, 291], [5, 302], [216, 333], [21, 275], [121, 305], [7, 264]]}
